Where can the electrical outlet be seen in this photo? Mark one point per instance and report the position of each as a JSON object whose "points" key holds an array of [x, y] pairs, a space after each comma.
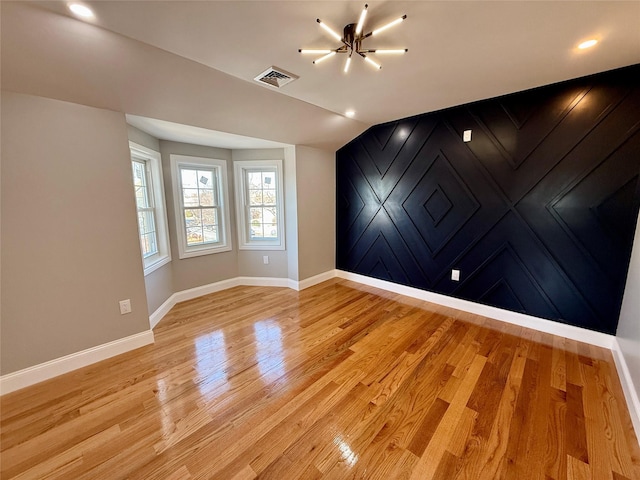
{"points": [[125, 306], [265, 259], [466, 136], [455, 275]]}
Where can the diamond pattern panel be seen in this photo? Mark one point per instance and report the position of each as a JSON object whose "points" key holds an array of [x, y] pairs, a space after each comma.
{"points": [[538, 211], [429, 208]]}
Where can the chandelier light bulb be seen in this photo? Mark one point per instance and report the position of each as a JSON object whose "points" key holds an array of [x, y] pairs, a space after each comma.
{"points": [[329, 30], [371, 62], [315, 52], [322, 59], [346, 64], [388, 25], [399, 51], [361, 21]]}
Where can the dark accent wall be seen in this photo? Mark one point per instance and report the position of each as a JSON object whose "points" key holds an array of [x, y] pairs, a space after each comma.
{"points": [[538, 211]]}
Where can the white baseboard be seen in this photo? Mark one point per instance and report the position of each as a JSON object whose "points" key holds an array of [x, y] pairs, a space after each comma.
{"points": [[556, 328], [44, 371], [629, 388], [196, 292], [184, 295], [316, 279], [161, 311], [263, 281]]}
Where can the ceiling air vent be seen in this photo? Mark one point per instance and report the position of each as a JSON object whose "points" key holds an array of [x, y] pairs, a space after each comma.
{"points": [[276, 77]]}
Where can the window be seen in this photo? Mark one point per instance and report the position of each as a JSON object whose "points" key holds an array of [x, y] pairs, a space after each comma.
{"points": [[202, 212], [259, 205], [152, 218]]}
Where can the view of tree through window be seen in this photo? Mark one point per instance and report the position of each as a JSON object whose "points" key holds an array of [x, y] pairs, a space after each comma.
{"points": [[200, 206], [262, 204], [146, 211]]}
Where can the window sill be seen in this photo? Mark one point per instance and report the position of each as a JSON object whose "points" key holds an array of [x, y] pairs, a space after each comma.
{"points": [[258, 246], [156, 265], [204, 251]]}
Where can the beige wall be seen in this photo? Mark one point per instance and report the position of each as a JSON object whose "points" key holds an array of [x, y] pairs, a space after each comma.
{"points": [[628, 333], [197, 271], [70, 248], [143, 138], [316, 192], [291, 212]]}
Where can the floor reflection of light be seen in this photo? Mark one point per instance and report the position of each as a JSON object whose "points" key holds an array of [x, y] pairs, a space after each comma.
{"points": [[348, 455], [269, 349], [211, 362]]}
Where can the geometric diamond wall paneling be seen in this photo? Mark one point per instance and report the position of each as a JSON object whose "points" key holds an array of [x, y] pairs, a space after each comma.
{"points": [[538, 211]]}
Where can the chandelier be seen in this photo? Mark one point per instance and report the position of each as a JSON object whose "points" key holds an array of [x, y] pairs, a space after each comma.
{"points": [[351, 42]]}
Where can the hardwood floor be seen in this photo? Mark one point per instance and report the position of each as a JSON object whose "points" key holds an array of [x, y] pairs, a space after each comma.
{"points": [[337, 381]]}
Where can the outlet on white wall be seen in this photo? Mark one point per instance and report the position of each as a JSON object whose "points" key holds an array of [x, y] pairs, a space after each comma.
{"points": [[265, 259], [125, 306]]}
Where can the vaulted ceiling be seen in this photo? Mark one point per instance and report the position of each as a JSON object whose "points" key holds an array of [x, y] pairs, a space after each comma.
{"points": [[458, 52]]}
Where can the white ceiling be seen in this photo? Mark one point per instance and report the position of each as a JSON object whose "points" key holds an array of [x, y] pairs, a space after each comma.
{"points": [[459, 51], [177, 132], [173, 64]]}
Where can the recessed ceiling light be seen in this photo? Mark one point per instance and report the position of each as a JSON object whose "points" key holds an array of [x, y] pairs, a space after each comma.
{"points": [[349, 113], [81, 10], [587, 44]]}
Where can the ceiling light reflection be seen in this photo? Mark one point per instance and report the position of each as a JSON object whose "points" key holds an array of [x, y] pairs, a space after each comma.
{"points": [[348, 455], [269, 353], [211, 364]]}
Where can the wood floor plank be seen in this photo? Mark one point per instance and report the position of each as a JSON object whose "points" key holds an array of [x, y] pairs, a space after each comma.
{"points": [[337, 381]]}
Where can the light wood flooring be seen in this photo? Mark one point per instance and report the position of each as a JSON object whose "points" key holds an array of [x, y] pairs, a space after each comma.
{"points": [[337, 381]]}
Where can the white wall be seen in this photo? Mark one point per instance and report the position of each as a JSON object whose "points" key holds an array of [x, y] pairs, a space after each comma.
{"points": [[70, 248], [628, 333]]}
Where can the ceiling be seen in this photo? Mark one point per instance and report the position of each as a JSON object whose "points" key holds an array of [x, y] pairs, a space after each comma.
{"points": [[459, 51], [173, 64], [177, 132]]}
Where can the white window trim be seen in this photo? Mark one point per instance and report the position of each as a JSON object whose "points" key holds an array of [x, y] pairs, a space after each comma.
{"points": [[225, 243], [244, 243], [152, 158]]}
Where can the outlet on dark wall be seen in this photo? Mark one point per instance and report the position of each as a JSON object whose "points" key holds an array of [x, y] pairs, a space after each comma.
{"points": [[537, 211]]}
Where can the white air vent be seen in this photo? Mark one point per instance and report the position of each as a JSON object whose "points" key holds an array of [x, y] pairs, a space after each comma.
{"points": [[276, 77]]}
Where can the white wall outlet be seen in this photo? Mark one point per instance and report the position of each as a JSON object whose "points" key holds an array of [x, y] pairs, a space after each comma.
{"points": [[265, 259], [466, 136], [125, 306], [455, 275]]}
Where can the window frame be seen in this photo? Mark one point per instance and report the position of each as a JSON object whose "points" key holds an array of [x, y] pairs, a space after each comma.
{"points": [[219, 167], [153, 172], [241, 168]]}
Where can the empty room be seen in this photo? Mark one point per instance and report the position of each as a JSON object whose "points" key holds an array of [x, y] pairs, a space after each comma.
{"points": [[320, 240]]}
